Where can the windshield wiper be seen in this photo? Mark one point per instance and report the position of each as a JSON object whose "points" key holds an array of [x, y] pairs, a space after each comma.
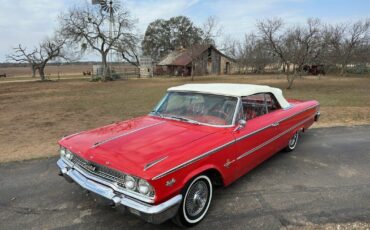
{"points": [[185, 119]]}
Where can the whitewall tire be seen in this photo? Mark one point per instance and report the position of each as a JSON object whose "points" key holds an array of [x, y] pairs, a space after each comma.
{"points": [[196, 201], [292, 142]]}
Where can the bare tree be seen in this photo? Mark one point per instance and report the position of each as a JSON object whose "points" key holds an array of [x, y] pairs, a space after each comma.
{"points": [[129, 49], [211, 30], [254, 53], [229, 46], [88, 26], [237, 50], [295, 46], [271, 32], [21, 55], [304, 43], [49, 50], [345, 41], [301, 45], [193, 52]]}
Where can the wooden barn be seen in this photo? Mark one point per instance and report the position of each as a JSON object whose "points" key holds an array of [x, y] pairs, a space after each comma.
{"points": [[205, 58]]}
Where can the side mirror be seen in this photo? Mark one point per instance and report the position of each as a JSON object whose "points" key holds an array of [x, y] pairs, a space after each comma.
{"points": [[241, 124]]}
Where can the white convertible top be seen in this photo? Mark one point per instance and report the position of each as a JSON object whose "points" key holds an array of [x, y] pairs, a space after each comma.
{"points": [[234, 90]]}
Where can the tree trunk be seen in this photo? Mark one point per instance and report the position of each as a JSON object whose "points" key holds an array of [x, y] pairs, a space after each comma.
{"points": [[33, 68], [343, 69], [42, 73], [192, 71], [299, 70], [290, 78], [106, 72]]}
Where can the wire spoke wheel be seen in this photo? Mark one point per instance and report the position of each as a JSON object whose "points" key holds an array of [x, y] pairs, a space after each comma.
{"points": [[197, 199]]}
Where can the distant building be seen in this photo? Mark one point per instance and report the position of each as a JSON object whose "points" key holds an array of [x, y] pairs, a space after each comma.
{"points": [[97, 70], [205, 59], [146, 67]]}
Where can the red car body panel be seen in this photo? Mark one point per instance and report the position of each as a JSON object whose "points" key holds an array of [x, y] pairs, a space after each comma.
{"points": [[189, 149]]}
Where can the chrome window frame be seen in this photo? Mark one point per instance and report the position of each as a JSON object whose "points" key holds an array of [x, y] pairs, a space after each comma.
{"points": [[265, 102], [238, 107]]}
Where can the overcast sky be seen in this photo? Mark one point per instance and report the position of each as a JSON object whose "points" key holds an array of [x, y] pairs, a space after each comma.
{"points": [[29, 21]]}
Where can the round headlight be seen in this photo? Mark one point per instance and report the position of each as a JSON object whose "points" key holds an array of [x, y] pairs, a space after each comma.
{"points": [[144, 187], [69, 155], [130, 182], [62, 150]]}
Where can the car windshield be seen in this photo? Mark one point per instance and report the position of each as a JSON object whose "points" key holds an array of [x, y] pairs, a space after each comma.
{"points": [[197, 108]]}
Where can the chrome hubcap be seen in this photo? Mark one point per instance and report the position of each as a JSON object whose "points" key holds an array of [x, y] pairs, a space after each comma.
{"points": [[293, 141], [197, 198]]}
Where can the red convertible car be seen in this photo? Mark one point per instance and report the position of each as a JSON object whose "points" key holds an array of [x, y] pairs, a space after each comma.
{"points": [[166, 164]]}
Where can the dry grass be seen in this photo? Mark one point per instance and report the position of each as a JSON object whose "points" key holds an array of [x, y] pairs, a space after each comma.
{"points": [[70, 71], [35, 115], [52, 70]]}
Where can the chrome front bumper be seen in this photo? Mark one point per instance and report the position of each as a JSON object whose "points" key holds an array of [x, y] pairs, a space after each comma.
{"points": [[155, 214]]}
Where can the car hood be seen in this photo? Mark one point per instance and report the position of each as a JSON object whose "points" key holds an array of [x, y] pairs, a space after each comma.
{"points": [[132, 145]]}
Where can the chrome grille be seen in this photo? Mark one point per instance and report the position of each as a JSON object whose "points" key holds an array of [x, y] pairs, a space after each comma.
{"points": [[99, 170]]}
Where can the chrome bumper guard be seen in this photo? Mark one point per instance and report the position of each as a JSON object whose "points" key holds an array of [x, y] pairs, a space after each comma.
{"points": [[317, 116], [155, 214]]}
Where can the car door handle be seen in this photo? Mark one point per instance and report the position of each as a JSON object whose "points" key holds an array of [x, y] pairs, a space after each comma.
{"points": [[275, 124]]}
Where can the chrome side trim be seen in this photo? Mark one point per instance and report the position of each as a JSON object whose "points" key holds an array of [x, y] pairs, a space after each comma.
{"points": [[125, 134], [223, 146], [252, 133], [311, 107], [192, 160], [272, 139], [268, 126], [151, 164]]}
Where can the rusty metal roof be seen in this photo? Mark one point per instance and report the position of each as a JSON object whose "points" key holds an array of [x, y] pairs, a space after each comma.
{"points": [[184, 57]]}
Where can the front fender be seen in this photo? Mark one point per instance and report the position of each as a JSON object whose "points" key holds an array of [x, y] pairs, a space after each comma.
{"points": [[181, 179], [201, 170]]}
